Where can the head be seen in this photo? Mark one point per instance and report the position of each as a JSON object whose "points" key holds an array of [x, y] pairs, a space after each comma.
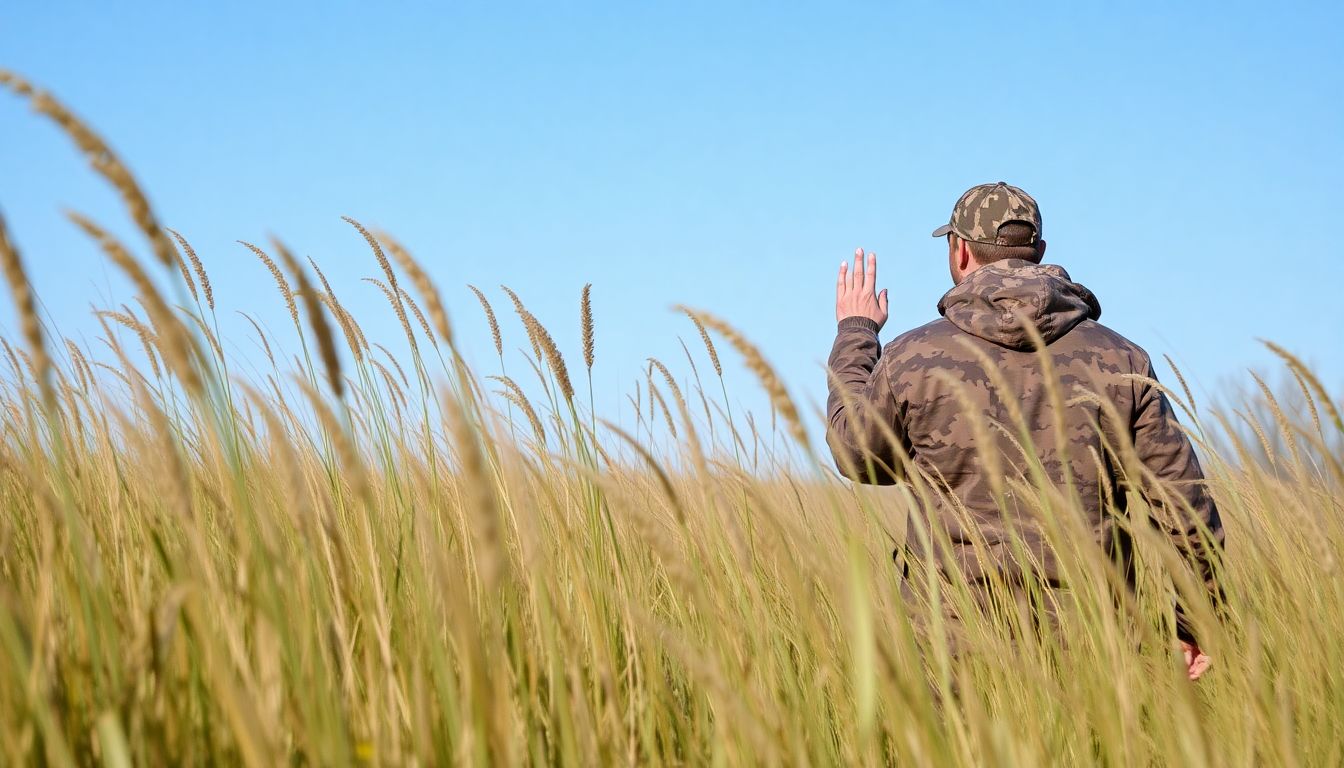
{"points": [[1014, 241], [992, 222]]}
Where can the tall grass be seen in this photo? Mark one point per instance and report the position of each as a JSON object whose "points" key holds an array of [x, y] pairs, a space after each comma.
{"points": [[339, 562]]}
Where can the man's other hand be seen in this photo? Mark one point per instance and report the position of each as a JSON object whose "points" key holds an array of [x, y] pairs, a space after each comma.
{"points": [[1196, 661], [856, 291]]}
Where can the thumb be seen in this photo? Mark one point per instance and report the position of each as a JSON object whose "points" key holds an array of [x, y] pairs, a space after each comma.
{"points": [[882, 301]]}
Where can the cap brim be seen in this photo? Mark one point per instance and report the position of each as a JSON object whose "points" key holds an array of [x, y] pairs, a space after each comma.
{"points": [[943, 230]]}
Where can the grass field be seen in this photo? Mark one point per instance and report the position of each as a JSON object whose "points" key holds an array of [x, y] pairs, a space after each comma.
{"points": [[358, 559]]}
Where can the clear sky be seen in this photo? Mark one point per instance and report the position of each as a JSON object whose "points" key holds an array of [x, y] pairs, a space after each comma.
{"points": [[1187, 158]]}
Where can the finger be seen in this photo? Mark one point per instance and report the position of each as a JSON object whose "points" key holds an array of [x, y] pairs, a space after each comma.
{"points": [[1201, 665], [857, 279], [882, 301], [870, 274], [843, 285]]}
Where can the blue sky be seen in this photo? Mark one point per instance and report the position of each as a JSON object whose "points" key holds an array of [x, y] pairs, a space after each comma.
{"points": [[722, 155]]}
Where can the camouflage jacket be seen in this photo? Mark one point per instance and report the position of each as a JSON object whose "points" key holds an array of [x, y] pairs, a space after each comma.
{"points": [[942, 403]]}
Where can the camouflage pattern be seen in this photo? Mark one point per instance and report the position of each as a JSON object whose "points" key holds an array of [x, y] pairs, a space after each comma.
{"points": [[980, 212], [938, 403]]}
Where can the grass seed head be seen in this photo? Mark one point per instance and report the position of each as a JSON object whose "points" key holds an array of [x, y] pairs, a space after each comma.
{"points": [[541, 339], [285, 291], [317, 319], [709, 343], [198, 267], [419, 316], [490, 318], [586, 323], [428, 293]]}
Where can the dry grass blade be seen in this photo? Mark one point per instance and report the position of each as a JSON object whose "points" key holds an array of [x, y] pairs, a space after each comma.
{"points": [[1309, 400], [393, 360], [354, 337], [79, 363], [1322, 396], [285, 292], [779, 396], [103, 160], [392, 387], [542, 343], [386, 266], [147, 338], [175, 478], [664, 481], [514, 394], [529, 326], [181, 264], [490, 318], [179, 352], [656, 396], [708, 342], [347, 453], [692, 439], [397, 308], [317, 319], [265, 344], [205, 331], [554, 359], [428, 293], [1285, 427], [197, 266], [1180, 378], [349, 320], [419, 316], [586, 324], [491, 554], [26, 304]]}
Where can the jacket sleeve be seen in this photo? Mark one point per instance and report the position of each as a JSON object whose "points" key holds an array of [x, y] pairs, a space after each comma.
{"points": [[863, 426], [1184, 509]]}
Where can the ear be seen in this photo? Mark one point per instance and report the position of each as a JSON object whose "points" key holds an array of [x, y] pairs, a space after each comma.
{"points": [[1040, 250], [963, 255]]}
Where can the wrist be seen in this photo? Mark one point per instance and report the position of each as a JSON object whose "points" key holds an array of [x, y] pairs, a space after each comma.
{"points": [[858, 322]]}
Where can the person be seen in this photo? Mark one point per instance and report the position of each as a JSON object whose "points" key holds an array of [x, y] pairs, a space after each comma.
{"points": [[909, 408]]}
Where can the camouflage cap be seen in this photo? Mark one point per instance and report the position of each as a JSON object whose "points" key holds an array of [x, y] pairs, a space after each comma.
{"points": [[980, 212]]}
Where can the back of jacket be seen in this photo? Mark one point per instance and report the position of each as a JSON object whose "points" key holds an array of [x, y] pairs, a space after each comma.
{"points": [[946, 399]]}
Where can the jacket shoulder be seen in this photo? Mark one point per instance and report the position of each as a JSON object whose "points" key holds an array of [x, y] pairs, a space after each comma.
{"points": [[936, 333], [1104, 339]]}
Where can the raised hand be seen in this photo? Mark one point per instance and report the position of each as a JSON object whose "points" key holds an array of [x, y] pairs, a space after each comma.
{"points": [[856, 292], [1196, 661]]}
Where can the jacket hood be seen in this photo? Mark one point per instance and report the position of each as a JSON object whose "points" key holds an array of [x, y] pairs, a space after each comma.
{"points": [[987, 302]]}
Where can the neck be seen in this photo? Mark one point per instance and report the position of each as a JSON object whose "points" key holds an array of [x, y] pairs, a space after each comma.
{"points": [[972, 265]]}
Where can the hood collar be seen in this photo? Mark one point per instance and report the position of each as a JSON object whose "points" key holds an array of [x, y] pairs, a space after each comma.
{"points": [[987, 303]]}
